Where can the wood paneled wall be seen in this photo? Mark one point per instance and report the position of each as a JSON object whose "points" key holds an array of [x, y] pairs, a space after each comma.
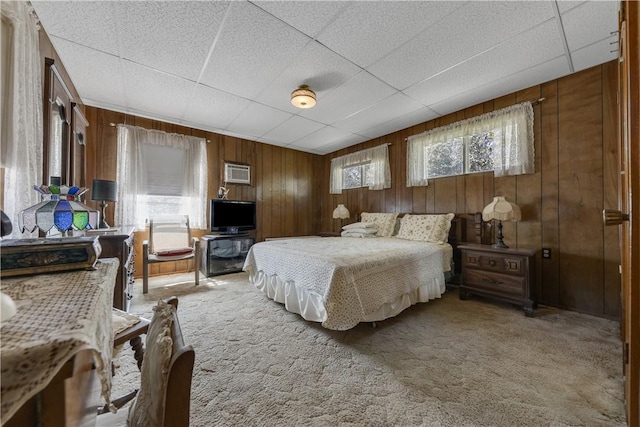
{"points": [[283, 180], [576, 178]]}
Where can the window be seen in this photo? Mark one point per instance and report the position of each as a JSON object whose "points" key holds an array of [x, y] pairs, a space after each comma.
{"points": [[501, 141], [366, 168], [357, 176], [160, 174]]}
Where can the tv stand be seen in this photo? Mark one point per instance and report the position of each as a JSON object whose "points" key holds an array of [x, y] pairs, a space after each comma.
{"points": [[224, 253]]}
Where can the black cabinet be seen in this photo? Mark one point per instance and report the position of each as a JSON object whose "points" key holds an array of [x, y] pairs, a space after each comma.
{"points": [[224, 253]]}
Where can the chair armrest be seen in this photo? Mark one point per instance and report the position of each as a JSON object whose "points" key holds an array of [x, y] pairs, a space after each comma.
{"points": [[194, 242]]}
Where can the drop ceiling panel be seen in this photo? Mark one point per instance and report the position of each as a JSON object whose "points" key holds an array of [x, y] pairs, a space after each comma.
{"points": [[185, 34], [291, 130], [309, 17], [93, 22], [590, 22], [388, 25], [538, 45], [213, 108], [587, 56], [390, 108], [325, 136], [539, 74], [475, 27], [141, 88], [406, 120], [317, 67], [253, 49], [344, 143], [357, 94], [566, 5], [96, 75], [257, 119]]}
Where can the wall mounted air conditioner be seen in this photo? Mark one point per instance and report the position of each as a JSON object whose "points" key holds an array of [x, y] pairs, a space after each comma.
{"points": [[237, 174]]}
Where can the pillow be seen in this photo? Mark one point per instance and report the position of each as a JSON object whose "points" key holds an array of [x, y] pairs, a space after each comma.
{"points": [[426, 228], [360, 225], [147, 410], [354, 233], [384, 222]]}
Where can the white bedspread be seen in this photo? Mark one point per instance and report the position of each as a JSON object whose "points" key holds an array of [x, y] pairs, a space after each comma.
{"points": [[341, 281]]}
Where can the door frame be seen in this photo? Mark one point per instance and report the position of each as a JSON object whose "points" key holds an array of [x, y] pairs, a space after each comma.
{"points": [[629, 90]]}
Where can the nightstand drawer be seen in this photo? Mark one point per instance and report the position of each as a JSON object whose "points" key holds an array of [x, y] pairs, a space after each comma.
{"points": [[502, 283], [499, 263]]}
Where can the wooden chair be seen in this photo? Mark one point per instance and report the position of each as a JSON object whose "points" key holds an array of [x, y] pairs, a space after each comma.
{"points": [[167, 368], [169, 240]]}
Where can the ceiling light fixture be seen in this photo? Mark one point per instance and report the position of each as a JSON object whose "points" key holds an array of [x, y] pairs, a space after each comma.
{"points": [[303, 97]]}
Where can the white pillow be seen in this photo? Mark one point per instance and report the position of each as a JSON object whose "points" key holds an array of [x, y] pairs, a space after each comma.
{"points": [[360, 225], [384, 221], [426, 228]]}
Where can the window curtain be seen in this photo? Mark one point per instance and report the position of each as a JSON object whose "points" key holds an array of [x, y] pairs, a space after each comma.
{"points": [[512, 155], [21, 153], [376, 157], [160, 173]]}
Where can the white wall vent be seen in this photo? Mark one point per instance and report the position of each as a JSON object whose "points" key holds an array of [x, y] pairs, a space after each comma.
{"points": [[237, 174]]}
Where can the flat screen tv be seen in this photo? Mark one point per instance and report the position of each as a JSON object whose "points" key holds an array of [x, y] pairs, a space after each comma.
{"points": [[232, 216]]}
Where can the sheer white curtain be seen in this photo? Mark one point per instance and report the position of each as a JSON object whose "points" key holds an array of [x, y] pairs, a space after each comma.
{"points": [[21, 109], [376, 157], [512, 154], [160, 174]]}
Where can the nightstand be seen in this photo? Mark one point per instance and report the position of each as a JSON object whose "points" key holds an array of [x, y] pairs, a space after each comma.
{"points": [[503, 274]]}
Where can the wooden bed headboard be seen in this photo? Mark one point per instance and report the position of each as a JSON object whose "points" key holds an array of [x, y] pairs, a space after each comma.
{"points": [[465, 228]]}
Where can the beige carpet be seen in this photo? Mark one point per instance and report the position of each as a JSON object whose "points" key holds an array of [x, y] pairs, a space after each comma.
{"points": [[442, 363]]}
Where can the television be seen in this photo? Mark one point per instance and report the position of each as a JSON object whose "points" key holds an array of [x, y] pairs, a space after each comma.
{"points": [[232, 216]]}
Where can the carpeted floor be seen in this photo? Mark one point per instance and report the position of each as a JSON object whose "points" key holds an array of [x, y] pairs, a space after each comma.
{"points": [[443, 363]]}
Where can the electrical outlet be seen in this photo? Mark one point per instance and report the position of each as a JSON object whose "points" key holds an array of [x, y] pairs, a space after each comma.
{"points": [[546, 253]]}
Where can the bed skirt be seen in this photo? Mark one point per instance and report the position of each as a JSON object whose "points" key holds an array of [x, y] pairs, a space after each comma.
{"points": [[310, 305]]}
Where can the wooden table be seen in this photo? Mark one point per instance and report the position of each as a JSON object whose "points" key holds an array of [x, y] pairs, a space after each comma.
{"points": [[58, 347]]}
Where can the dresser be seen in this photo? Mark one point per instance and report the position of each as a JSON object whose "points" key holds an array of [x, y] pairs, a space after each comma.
{"points": [[502, 274], [119, 244]]}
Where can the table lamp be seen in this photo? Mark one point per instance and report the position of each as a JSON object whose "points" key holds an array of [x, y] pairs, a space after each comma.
{"points": [[342, 213], [104, 191], [61, 207], [502, 210]]}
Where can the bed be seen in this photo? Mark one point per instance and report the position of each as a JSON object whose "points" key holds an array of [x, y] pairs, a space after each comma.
{"points": [[342, 281]]}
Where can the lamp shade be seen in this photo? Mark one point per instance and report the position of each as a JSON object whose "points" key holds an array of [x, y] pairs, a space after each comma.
{"points": [[502, 210], [341, 212], [102, 189], [60, 208], [303, 97]]}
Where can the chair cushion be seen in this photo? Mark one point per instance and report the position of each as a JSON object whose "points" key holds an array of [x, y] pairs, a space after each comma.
{"points": [[173, 252], [148, 408]]}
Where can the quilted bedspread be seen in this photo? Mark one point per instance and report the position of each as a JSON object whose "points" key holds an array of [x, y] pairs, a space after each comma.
{"points": [[352, 277]]}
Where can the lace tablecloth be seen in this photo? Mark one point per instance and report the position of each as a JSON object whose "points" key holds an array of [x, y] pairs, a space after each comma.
{"points": [[57, 316]]}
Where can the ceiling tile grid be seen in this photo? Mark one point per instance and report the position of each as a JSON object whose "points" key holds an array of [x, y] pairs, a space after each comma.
{"points": [[376, 67], [96, 75], [184, 33], [253, 49]]}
